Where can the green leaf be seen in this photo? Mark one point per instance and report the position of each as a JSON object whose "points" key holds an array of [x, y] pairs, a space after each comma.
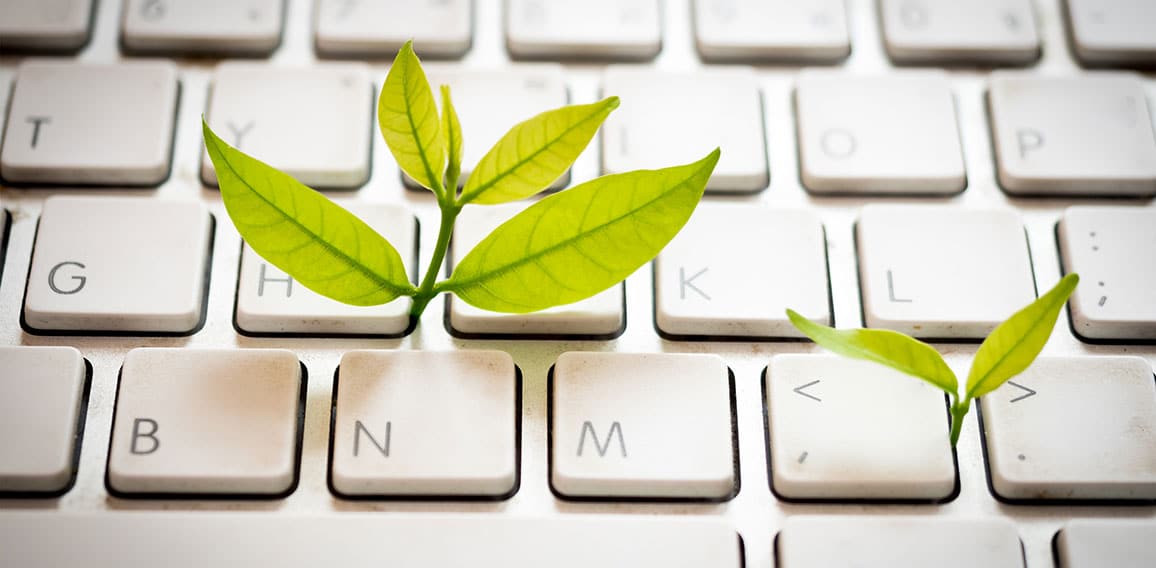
{"points": [[576, 243], [408, 118], [321, 245], [452, 134], [1015, 343], [883, 346], [535, 153]]}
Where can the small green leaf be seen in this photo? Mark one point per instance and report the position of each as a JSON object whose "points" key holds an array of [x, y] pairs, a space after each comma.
{"points": [[321, 245], [576, 243], [535, 153], [452, 134], [883, 346], [1015, 343], [408, 118]]}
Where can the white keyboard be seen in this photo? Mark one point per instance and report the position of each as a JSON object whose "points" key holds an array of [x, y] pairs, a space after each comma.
{"points": [[169, 398]]}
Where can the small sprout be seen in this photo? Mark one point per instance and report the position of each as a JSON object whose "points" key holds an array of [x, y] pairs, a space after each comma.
{"points": [[562, 249], [1007, 352]]}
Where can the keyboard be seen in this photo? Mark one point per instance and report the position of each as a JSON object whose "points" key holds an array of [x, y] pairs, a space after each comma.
{"points": [[929, 166]]}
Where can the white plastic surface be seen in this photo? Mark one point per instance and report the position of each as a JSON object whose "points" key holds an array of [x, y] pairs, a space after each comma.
{"points": [[438, 28], [977, 31], [1113, 32], [771, 30], [251, 27], [613, 29], [45, 24]]}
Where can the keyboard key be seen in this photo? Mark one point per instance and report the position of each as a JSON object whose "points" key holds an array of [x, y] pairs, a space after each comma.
{"points": [[1088, 135], [946, 31], [942, 272], [714, 109], [1088, 543], [207, 422], [885, 542], [272, 302], [771, 30], [853, 140], [1101, 410], [252, 27], [620, 429], [121, 135], [41, 392], [363, 540], [314, 123], [600, 316], [378, 28], [1111, 249], [1113, 32], [844, 429], [48, 25], [489, 103], [119, 264], [734, 270], [425, 423], [593, 29]]}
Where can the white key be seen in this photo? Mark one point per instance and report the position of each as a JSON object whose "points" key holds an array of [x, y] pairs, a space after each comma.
{"points": [[248, 27], [206, 422], [312, 122], [426, 423], [119, 264], [845, 429], [121, 135], [771, 30], [1088, 543], [1113, 32], [45, 24], [734, 270], [1074, 428], [600, 29], [886, 542], [892, 134], [620, 426], [489, 103], [271, 302], [366, 539], [1111, 249], [40, 405], [948, 31], [1072, 135], [438, 28], [942, 272], [601, 315], [714, 109]]}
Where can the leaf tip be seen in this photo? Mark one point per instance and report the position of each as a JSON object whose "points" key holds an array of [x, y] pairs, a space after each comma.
{"points": [[612, 102]]}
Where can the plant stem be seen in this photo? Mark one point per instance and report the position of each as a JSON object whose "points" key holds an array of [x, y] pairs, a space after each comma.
{"points": [[426, 292], [958, 411]]}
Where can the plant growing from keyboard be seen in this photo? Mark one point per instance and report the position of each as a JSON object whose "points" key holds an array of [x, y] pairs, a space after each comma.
{"points": [[1008, 350], [564, 248]]}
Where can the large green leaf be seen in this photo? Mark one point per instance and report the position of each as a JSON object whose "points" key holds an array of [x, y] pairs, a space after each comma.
{"points": [[452, 134], [576, 243], [883, 346], [535, 153], [1015, 343], [321, 245], [408, 118]]}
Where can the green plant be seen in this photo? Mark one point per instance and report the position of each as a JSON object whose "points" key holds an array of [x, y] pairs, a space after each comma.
{"points": [[1008, 350], [564, 248]]}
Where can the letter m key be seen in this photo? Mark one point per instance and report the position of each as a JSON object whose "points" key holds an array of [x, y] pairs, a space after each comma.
{"points": [[602, 447]]}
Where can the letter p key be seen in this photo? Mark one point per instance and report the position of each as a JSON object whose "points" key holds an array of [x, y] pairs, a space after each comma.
{"points": [[1029, 140]]}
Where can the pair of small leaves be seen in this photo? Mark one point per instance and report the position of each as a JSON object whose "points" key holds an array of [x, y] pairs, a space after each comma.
{"points": [[567, 247], [1006, 352]]}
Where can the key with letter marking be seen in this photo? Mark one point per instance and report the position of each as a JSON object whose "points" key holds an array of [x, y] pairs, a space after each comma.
{"points": [[40, 403], [771, 30], [949, 31], [592, 29], [248, 27], [121, 135], [1089, 135], [621, 428], [191, 421], [119, 264], [942, 272], [1113, 32], [48, 25], [893, 134], [426, 423], [353, 28]]}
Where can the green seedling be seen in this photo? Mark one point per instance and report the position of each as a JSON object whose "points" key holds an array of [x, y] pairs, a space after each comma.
{"points": [[566, 247], [1010, 349]]}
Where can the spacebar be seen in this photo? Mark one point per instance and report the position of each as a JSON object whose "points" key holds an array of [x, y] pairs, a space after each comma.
{"points": [[130, 539]]}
